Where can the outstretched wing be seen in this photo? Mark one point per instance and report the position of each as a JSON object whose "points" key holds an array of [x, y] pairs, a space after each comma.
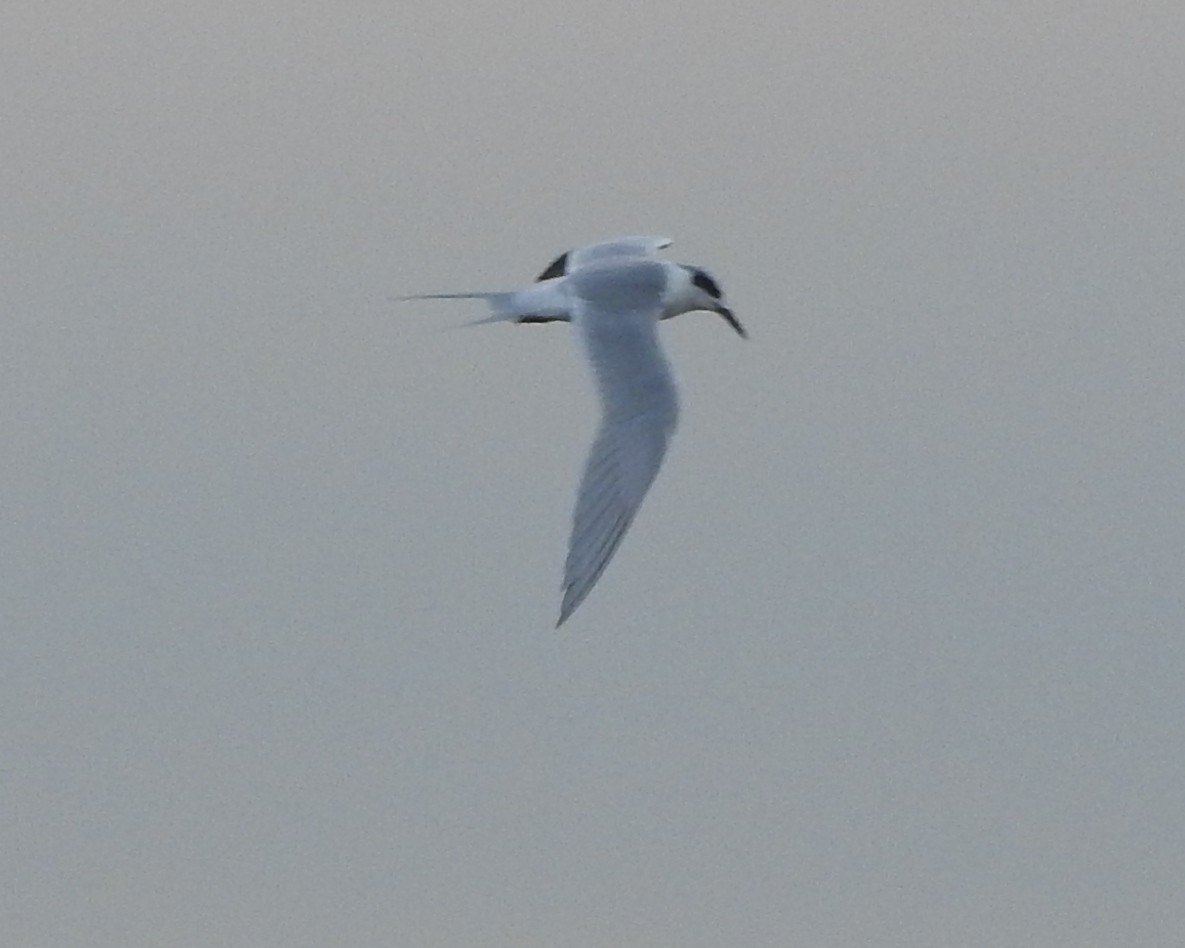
{"points": [[572, 260], [639, 409]]}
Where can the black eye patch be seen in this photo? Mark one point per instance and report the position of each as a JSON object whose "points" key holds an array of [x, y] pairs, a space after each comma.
{"points": [[706, 283]]}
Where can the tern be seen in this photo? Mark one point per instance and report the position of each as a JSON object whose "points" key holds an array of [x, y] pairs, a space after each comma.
{"points": [[614, 293]]}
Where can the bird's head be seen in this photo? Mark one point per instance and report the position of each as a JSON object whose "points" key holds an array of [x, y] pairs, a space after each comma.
{"points": [[698, 290]]}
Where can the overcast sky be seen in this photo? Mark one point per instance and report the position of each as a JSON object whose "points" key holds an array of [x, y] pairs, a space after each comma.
{"points": [[894, 653]]}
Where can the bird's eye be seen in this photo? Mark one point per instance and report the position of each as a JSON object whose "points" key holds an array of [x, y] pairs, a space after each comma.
{"points": [[706, 283], [557, 267]]}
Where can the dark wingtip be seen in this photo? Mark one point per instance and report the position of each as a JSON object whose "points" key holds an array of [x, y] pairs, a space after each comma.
{"points": [[557, 268]]}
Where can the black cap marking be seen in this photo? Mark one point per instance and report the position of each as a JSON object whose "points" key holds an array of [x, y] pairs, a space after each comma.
{"points": [[701, 279]]}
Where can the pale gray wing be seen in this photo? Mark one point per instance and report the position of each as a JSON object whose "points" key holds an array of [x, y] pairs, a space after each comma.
{"points": [[621, 247], [639, 409]]}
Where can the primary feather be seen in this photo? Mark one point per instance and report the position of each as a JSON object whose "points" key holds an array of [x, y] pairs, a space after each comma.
{"points": [[618, 328]]}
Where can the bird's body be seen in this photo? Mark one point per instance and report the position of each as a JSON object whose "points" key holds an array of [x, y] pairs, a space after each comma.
{"points": [[614, 293]]}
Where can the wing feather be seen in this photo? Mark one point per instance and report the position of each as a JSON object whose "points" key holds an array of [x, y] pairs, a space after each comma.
{"points": [[618, 247], [639, 410]]}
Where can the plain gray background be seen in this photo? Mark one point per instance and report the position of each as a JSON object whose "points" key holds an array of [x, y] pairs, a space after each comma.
{"points": [[894, 653]]}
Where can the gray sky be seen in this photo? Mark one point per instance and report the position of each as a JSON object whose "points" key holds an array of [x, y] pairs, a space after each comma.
{"points": [[894, 653]]}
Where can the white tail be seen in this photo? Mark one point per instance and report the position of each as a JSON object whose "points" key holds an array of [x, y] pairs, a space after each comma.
{"points": [[538, 303], [502, 308]]}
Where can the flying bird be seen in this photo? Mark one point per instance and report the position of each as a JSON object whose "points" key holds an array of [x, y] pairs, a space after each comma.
{"points": [[614, 293]]}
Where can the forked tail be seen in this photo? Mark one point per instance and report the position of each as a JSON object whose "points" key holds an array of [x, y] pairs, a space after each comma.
{"points": [[544, 302], [502, 305]]}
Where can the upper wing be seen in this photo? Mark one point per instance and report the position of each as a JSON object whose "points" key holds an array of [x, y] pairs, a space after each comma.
{"points": [[639, 409], [571, 260]]}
